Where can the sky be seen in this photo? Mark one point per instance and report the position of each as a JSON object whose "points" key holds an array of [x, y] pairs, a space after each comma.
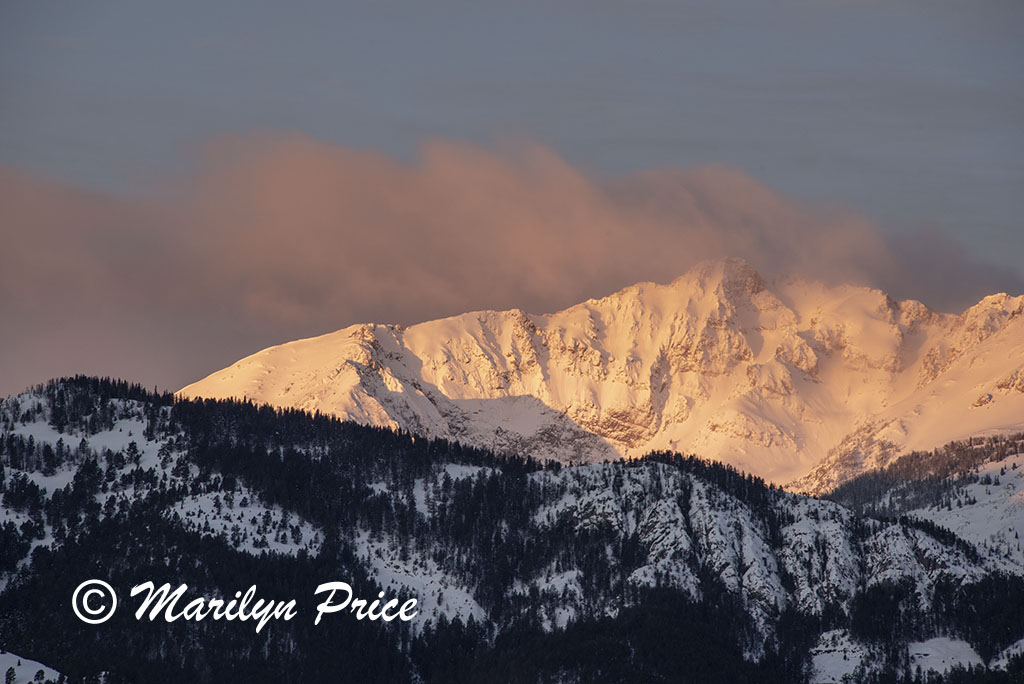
{"points": [[182, 184]]}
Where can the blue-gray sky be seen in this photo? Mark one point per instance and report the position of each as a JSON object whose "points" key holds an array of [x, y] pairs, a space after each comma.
{"points": [[910, 113]]}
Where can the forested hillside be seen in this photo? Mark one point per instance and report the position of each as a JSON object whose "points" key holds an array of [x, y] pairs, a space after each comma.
{"points": [[665, 568]]}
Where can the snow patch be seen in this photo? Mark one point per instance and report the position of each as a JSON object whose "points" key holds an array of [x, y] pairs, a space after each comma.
{"points": [[414, 575], [838, 659], [25, 670], [941, 654]]}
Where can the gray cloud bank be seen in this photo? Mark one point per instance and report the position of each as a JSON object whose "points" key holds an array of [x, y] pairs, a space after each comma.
{"points": [[275, 238]]}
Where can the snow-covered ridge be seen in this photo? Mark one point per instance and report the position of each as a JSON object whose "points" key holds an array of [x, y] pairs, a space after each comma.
{"points": [[981, 501], [134, 463], [776, 553], [25, 671], [786, 379], [494, 543]]}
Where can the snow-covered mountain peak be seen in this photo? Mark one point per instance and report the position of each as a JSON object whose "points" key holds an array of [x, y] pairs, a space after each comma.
{"points": [[731, 279], [772, 376]]}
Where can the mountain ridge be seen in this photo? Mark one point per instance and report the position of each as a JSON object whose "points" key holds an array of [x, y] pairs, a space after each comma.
{"points": [[789, 379], [540, 565]]}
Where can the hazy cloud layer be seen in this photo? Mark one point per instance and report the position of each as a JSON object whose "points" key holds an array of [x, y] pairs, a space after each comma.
{"points": [[275, 239]]}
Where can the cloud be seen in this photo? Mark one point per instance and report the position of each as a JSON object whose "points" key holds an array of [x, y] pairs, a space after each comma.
{"points": [[271, 239]]}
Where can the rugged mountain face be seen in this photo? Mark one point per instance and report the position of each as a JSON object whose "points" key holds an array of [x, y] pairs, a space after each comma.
{"points": [[568, 572], [789, 380]]}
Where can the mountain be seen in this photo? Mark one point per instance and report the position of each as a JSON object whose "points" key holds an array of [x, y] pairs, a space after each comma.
{"points": [[660, 568], [790, 380], [974, 488]]}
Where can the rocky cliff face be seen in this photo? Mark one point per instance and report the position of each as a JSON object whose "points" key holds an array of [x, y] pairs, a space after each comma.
{"points": [[790, 380]]}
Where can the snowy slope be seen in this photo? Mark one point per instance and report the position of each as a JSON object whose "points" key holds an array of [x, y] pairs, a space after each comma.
{"points": [[685, 526], [941, 654], [134, 461], [25, 670], [504, 542], [838, 658], [986, 509], [769, 377]]}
